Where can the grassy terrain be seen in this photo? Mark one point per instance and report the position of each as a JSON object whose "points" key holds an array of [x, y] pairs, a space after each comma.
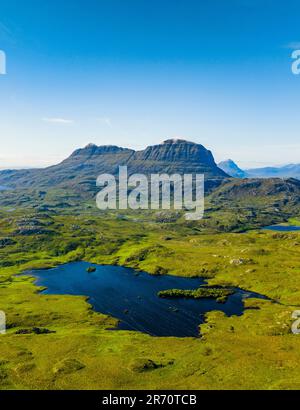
{"points": [[256, 350], [294, 221], [238, 205]]}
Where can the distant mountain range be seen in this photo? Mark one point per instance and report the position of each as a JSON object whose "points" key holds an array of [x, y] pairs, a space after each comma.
{"points": [[287, 171], [81, 169]]}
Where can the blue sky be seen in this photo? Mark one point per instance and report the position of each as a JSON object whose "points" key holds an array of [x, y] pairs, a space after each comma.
{"points": [[136, 72]]}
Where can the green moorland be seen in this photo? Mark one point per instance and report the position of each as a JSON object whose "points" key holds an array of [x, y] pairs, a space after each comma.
{"points": [[220, 294], [59, 342]]}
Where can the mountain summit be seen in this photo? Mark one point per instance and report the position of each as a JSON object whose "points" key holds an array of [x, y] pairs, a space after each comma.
{"points": [[232, 169], [176, 156]]}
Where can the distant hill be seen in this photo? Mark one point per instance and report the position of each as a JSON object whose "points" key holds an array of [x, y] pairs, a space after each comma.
{"points": [[232, 169], [258, 189], [287, 171], [242, 204], [81, 169]]}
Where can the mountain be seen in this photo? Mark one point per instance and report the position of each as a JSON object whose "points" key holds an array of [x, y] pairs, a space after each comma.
{"points": [[81, 169], [231, 168], [287, 171], [83, 166]]}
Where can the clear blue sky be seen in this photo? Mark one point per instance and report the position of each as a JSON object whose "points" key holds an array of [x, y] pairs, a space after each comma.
{"points": [[135, 72]]}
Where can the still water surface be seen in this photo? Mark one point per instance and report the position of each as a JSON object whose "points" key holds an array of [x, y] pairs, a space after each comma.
{"points": [[131, 297]]}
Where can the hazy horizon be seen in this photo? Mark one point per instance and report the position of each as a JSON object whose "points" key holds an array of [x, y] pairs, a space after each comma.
{"points": [[252, 165]]}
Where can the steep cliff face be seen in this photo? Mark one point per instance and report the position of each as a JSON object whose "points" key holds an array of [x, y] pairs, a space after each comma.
{"points": [[85, 164], [178, 156], [174, 150]]}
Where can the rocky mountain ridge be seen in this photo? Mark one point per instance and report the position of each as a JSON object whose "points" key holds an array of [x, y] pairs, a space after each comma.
{"points": [[83, 166]]}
